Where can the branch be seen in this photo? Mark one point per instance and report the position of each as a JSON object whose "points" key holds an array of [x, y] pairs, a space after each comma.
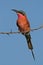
{"points": [[37, 28], [33, 29]]}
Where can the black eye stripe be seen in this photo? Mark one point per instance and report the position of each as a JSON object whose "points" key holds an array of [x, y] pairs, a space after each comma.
{"points": [[22, 12]]}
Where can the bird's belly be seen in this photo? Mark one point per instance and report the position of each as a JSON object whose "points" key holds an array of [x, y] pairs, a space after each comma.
{"points": [[23, 27]]}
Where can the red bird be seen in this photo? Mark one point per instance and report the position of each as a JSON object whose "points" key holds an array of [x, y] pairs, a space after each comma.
{"points": [[24, 27]]}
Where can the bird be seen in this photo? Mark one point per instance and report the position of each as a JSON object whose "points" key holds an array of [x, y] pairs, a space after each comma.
{"points": [[23, 25]]}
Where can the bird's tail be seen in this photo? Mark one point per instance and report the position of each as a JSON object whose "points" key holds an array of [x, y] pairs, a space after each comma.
{"points": [[28, 38]]}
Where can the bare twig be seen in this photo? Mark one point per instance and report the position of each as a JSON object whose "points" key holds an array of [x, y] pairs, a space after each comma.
{"points": [[37, 28], [10, 32], [33, 29]]}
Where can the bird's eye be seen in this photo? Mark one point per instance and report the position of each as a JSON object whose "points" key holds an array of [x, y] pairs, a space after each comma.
{"points": [[22, 12]]}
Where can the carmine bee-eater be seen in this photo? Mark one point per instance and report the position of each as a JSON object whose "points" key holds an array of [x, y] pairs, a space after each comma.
{"points": [[24, 27]]}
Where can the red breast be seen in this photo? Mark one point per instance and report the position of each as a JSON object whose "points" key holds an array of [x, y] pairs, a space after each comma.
{"points": [[23, 23]]}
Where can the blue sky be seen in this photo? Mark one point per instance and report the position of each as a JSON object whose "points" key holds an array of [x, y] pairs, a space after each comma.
{"points": [[13, 48]]}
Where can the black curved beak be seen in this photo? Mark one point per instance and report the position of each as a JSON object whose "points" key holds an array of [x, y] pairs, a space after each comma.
{"points": [[15, 10]]}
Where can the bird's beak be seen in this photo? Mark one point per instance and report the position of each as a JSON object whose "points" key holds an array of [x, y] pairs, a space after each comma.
{"points": [[15, 10]]}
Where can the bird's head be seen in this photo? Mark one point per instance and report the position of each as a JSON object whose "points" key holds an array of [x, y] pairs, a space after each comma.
{"points": [[20, 13]]}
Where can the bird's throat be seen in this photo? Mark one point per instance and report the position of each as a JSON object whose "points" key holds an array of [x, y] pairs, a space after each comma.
{"points": [[20, 15]]}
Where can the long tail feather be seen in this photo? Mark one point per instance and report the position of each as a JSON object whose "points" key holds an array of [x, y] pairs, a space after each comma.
{"points": [[30, 46], [33, 54]]}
